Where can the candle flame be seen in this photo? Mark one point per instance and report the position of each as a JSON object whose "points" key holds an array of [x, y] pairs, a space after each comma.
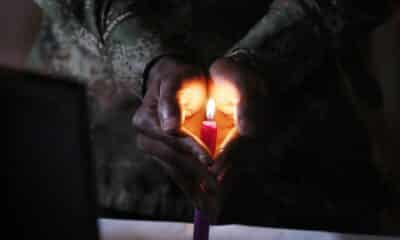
{"points": [[210, 109]]}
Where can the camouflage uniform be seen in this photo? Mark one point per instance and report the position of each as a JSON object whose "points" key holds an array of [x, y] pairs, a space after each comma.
{"points": [[107, 44]]}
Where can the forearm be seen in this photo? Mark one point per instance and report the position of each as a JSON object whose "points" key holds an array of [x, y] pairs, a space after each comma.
{"points": [[287, 42], [136, 38], [104, 40], [279, 17], [333, 16], [295, 35]]}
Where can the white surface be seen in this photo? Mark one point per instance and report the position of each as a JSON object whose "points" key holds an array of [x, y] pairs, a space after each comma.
{"points": [[143, 230]]}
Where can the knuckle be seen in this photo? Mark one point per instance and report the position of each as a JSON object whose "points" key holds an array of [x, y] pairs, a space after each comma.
{"points": [[141, 120], [138, 119]]}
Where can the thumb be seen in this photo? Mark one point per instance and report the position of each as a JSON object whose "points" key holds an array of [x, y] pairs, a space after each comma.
{"points": [[168, 107]]}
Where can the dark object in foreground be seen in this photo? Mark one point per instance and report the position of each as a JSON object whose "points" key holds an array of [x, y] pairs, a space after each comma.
{"points": [[47, 164]]}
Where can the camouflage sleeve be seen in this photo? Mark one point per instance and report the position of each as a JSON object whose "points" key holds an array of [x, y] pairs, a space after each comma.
{"points": [[106, 44], [116, 37], [72, 16], [295, 35], [136, 32]]}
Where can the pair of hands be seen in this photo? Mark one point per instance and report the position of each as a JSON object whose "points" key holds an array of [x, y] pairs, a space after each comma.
{"points": [[170, 116]]}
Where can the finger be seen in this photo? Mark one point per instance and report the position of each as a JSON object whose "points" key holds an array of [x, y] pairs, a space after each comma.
{"points": [[225, 76], [224, 161], [189, 144], [146, 124], [145, 119], [173, 159], [185, 178], [246, 117], [168, 106], [220, 169], [186, 170]]}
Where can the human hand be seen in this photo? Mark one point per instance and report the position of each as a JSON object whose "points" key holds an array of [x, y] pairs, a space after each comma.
{"points": [[168, 122], [170, 117], [240, 94]]}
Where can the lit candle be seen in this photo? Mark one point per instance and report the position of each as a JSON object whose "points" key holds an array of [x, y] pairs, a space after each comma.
{"points": [[208, 134]]}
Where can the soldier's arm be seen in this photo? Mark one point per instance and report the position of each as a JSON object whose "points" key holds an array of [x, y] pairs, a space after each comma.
{"points": [[297, 34], [125, 35]]}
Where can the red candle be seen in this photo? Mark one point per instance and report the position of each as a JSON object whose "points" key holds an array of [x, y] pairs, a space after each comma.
{"points": [[208, 134], [208, 131]]}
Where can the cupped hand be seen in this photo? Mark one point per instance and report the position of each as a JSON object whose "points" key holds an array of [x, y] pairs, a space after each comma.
{"points": [[240, 93], [171, 113], [168, 122]]}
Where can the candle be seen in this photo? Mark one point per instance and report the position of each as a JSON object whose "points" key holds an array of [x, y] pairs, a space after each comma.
{"points": [[208, 131], [208, 134]]}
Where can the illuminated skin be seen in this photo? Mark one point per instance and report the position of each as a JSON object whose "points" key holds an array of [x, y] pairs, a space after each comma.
{"points": [[172, 86], [171, 114], [240, 94]]}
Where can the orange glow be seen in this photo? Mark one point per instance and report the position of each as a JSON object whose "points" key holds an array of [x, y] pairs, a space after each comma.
{"points": [[227, 131], [229, 136], [221, 107], [226, 96], [191, 97]]}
